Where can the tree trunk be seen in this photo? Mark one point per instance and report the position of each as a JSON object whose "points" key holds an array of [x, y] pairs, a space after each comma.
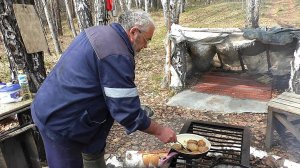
{"points": [[294, 84], [51, 28], [101, 15], [140, 3], [72, 8], [182, 6], [171, 13], [83, 14], [129, 4], [171, 9], [165, 5], [70, 18], [252, 13], [136, 2], [12, 38], [175, 11], [146, 6], [56, 9], [40, 10], [123, 5], [19, 59]]}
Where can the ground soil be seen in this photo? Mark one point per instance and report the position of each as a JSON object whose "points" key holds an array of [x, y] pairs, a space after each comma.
{"points": [[150, 62]]}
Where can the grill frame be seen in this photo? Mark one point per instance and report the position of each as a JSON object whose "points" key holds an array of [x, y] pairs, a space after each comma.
{"points": [[238, 133]]}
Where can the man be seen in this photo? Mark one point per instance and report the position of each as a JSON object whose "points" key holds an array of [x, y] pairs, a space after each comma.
{"points": [[91, 86]]}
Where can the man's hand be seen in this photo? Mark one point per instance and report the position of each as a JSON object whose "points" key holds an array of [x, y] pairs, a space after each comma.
{"points": [[164, 134], [167, 135]]}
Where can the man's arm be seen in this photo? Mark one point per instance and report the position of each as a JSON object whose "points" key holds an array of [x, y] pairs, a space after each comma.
{"points": [[164, 134]]}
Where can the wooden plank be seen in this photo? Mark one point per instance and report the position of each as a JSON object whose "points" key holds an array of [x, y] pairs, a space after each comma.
{"points": [[6, 109], [287, 97], [18, 131], [289, 94], [269, 130], [30, 26], [30, 149], [2, 161], [288, 103], [284, 107], [288, 125], [13, 153]]}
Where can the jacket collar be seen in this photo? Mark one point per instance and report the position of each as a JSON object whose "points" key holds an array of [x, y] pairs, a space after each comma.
{"points": [[119, 29]]}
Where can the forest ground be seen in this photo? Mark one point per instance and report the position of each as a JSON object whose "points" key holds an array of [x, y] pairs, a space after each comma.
{"points": [[149, 74]]}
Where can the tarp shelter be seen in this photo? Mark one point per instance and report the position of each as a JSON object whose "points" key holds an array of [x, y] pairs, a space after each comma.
{"points": [[257, 51]]}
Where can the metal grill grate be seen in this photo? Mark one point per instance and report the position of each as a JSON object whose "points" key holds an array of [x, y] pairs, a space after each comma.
{"points": [[230, 145]]}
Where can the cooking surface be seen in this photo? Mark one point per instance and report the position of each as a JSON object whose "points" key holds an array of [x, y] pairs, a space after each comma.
{"points": [[229, 145]]}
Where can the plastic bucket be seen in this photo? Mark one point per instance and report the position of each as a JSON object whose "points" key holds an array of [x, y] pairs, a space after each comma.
{"points": [[10, 93]]}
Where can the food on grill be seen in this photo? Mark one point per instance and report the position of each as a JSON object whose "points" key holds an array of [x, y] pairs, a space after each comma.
{"points": [[192, 141], [201, 143], [193, 146]]}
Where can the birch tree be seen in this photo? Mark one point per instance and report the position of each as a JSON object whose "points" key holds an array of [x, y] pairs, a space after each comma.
{"points": [[252, 13], [123, 5], [70, 18], [100, 12], [51, 28], [171, 9], [165, 5], [19, 59], [294, 84], [83, 13], [129, 4], [146, 6]]}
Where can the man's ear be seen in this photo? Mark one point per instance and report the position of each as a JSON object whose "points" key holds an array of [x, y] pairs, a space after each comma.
{"points": [[133, 30]]}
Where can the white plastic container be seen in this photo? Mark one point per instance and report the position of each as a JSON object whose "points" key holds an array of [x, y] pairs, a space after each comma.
{"points": [[10, 93]]}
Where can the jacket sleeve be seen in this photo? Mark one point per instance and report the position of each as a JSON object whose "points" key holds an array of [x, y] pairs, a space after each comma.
{"points": [[121, 95]]}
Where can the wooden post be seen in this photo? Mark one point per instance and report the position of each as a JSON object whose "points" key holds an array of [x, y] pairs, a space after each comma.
{"points": [[270, 129], [169, 46]]}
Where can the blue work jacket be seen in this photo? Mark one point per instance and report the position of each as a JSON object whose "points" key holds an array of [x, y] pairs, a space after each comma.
{"points": [[91, 85]]}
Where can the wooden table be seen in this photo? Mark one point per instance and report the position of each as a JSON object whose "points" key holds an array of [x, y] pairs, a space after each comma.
{"points": [[18, 147], [14, 108], [283, 113]]}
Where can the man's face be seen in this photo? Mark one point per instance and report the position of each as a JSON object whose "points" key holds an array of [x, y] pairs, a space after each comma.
{"points": [[140, 38]]}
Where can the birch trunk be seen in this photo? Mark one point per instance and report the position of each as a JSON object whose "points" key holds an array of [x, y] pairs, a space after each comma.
{"points": [[70, 18], [12, 38], [146, 6], [165, 5], [123, 5], [294, 84], [252, 13], [83, 14], [100, 12], [140, 4], [129, 4], [19, 59], [51, 28], [182, 5]]}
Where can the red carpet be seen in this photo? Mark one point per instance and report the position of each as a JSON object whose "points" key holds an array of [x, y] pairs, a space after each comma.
{"points": [[235, 85]]}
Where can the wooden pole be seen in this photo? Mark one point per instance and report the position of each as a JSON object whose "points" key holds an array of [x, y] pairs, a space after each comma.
{"points": [[169, 45]]}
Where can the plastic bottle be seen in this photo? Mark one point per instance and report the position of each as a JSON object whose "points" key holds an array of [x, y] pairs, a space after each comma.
{"points": [[25, 92]]}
